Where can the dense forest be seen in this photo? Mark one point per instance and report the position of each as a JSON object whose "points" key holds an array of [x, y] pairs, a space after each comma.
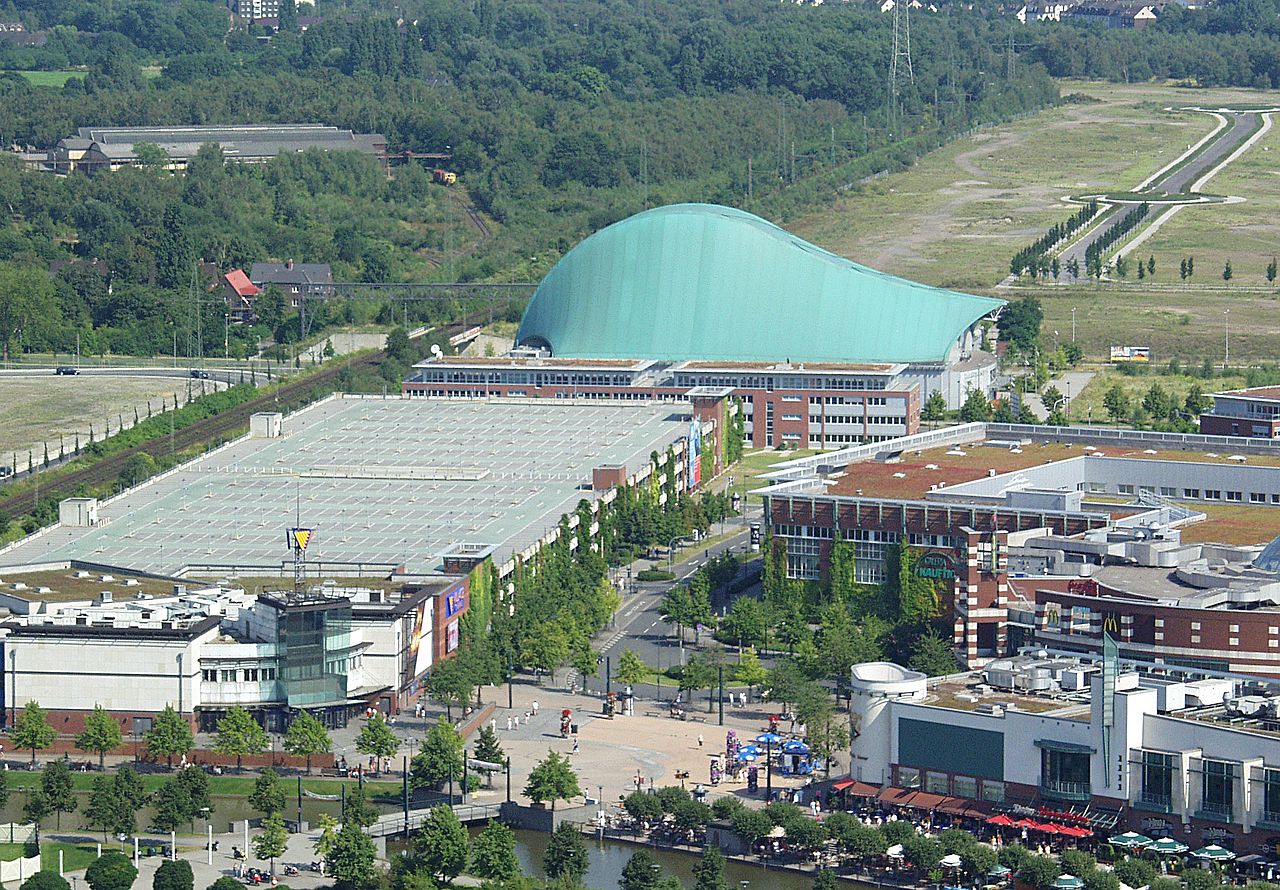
{"points": [[560, 117]]}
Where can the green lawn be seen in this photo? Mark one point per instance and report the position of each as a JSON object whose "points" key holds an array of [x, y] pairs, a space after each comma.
{"points": [[756, 461], [1136, 387], [10, 852], [224, 786], [50, 78], [74, 856]]}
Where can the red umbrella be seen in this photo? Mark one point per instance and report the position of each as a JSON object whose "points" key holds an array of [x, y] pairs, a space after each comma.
{"points": [[1002, 820], [1048, 828], [1075, 831]]}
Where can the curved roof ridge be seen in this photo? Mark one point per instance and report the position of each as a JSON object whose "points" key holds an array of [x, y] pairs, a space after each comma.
{"points": [[705, 281]]}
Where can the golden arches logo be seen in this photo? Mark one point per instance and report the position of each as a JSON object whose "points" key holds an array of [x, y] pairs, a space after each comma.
{"points": [[1110, 625]]}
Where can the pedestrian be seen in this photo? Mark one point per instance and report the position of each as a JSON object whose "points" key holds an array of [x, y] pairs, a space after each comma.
{"points": [[699, 740], [493, 724], [535, 707], [508, 723], [575, 747]]}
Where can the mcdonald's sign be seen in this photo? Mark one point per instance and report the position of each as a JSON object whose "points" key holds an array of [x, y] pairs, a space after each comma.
{"points": [[1110, 623]]}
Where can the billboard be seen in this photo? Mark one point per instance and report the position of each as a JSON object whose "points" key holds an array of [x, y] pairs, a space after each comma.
{"points": [[455, 600], [693, 472], [419, 659], [1131, 353], [451, 636]]}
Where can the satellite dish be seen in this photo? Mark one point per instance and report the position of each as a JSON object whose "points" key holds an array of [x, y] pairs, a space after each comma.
{"points": [[436, 351]]}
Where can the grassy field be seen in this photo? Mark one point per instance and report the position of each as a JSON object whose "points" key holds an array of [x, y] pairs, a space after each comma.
{"points": [[50, 78], [957, 216], [35, 410], [1088, 404], [1189, 325]]}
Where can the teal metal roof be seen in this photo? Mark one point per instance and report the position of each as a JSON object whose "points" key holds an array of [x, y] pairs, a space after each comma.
{"points": [[705, 282]]}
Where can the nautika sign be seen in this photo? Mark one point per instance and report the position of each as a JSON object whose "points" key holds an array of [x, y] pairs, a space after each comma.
{"points": [[937, 566]]}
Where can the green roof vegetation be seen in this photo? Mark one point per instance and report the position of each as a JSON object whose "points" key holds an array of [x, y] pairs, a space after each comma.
{"points": [[700, 281]]}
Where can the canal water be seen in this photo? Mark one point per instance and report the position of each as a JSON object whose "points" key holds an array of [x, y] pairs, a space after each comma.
{"points": [[608, 857]]}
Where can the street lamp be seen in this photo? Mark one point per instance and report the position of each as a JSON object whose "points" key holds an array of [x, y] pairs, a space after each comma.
{"points": [[1226, 355], [1073, 325]]}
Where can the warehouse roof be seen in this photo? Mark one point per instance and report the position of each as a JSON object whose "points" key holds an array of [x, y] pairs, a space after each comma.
{"points": [[699, 281]]}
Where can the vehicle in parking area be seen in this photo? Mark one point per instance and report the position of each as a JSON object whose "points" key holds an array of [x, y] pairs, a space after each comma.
{"points": [[66, 369], [200, 375], [5, 471]]}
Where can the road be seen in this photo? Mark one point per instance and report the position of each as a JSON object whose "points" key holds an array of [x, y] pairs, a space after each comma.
{"points": [[1242, 125], [638, 624]]}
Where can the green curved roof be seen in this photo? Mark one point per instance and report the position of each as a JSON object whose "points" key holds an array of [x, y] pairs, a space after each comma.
{"points": [[701, 281]]}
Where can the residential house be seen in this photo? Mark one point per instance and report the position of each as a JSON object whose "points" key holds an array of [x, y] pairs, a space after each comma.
{"points": [[295, 280], [1113, 15], [239, 292], [1049, 11]]}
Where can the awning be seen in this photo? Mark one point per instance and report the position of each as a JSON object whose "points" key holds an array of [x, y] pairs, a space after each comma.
{"points": [[858, 789], [952, 806], [1068, 747], [926, 801], [896, 797], [842, 784]]}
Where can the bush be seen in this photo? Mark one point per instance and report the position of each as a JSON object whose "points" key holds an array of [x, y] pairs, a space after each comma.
{"points": [[726, 807], [45, 880], [225, 883], [111, 871], [174, 874], [654, 575]]}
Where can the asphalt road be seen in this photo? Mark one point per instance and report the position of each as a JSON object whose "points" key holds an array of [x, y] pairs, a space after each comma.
{"points": [[229, 376], [1241, 126], [638, 624]]}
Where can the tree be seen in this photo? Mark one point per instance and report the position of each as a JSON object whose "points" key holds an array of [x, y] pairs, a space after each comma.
{"points": [[488, 749], [978, 859], [225, 883], [358, 810], [1116, 402], [566, 856], [976, 407], [551, 780], [1156, 401], [1226, 271], [1020, 323], [1191, 266], [933, 655], [137, 469], [58, 789], [442, 844], [174, 874], [641, 872], [697, 674], [268, 795], [101, 734], [106, 808], [1135, 872], [28, 303], [631, 670], [749, 670], [1182, 270], [111, 871], [440, 757], [194, 785], [272, 840], [1040, 872], [1151, 265], [169, 735], [644, 808], [45, 880], [239, 734], [32, 730], [450, 683], [307, 737], [171, 806], [935, 407], [350, 859], [1271, 271], [377, 739], [826, 879], [708, 874], [493, 853], [36, 808]]}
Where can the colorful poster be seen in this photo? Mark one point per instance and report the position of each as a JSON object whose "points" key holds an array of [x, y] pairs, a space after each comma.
{"points": [[693, 472], [451, 636]]}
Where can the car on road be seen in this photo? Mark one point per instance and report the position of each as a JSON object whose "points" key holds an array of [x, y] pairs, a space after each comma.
{"points": [[200, 375], [66, 370]]}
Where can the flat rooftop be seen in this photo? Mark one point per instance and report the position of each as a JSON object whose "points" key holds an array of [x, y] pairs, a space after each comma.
{"points": [[382, 481], [71, 585], [913, 474], [520, 361], [1265, 393], [968, 693], [790, 367]]}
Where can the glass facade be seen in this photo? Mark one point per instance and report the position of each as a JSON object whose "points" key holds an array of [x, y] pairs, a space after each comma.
{"points": [[1064, 774], [1157, 780], [1217, 788], [315, 646]]}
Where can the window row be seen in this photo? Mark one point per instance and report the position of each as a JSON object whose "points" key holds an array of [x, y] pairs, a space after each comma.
{"points": [[237, 675]]}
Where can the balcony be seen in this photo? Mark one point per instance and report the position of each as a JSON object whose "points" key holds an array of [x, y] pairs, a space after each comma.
{"points": [[1057, 789], [1154, 802], [1218, 811]]}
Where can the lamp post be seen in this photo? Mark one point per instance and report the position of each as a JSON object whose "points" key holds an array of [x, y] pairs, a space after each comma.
{"points": [[1073, 325], [1226, 354]]}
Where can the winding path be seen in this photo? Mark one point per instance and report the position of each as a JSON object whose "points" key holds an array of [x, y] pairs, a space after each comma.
{"points": [[1180, 176]]}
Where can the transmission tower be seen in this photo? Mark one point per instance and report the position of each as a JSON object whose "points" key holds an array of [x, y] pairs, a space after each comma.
{"points": [[900, 62]]}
